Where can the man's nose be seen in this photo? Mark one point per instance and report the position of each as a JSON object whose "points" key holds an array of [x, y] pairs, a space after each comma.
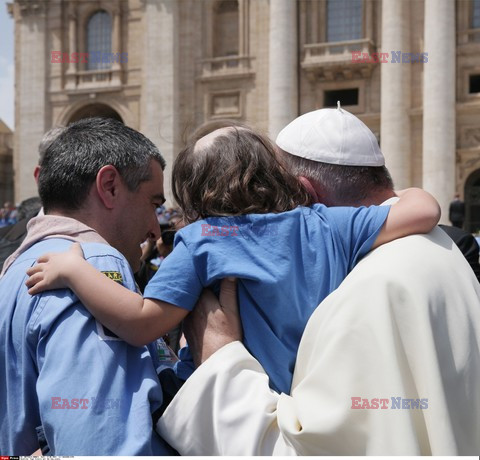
{"points": [[155, 232]]}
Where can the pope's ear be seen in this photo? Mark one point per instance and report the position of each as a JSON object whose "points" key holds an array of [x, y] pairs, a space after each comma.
{"points": [[309, 186], [36, 173], [108, 184]]}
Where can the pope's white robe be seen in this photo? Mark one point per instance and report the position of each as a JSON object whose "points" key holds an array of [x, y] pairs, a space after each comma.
{"points": [[405, 324]]}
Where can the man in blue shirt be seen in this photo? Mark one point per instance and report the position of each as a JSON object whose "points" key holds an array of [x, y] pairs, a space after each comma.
{"points": [[62, 372]]}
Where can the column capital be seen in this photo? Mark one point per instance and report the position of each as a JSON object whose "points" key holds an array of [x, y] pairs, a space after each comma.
{"points": [[72, 11], [32, 7]]}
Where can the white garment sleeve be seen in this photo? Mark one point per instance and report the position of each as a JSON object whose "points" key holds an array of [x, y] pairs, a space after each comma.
{"points": [[225, 408], [405, 324]]}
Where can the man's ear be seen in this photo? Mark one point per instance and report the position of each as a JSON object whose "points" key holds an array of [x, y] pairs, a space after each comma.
{"points": [[108, 184], [36, 173]]}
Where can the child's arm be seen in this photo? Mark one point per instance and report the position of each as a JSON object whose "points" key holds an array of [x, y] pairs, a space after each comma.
{"points": [[137, 320], [415, 212]]}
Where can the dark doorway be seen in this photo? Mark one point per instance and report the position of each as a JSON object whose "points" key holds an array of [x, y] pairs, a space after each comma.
{"points": [[345, 96]]}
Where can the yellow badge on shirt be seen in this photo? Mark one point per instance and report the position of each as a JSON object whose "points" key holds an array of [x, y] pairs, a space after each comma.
{"points": [[115, 276]]}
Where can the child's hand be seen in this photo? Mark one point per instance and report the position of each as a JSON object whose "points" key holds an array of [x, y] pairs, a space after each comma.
{"points": [[52, 270]]}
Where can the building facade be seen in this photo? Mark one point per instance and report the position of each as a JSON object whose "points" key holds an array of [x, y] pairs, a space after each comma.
{"points": [[6, 164], [409, 69]]}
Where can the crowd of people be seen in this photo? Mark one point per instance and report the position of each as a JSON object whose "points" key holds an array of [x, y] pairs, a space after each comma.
{"points": [[324, 312], [8, 214]]}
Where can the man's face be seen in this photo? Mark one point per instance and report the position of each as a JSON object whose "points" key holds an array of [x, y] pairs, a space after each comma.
{"points": [[137, 218]]}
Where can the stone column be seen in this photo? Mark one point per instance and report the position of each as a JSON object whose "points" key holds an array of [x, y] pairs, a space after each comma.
{"points": [[439, 102], [283, 65], [70, 74], [159, 100], [116, 48], [395, 93], [30, 92]]}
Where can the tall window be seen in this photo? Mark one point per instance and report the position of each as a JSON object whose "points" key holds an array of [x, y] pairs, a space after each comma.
{"points": [[99, 41], [476, 14], [226, 28], [344, 20]]}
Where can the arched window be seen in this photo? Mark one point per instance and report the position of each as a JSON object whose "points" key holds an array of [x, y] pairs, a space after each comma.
{"points": [[99, 41], [226, 28], [344, 20], [476, 14]]}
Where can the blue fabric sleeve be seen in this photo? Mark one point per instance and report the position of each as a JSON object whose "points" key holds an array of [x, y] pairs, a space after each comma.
{"points": [[176, 281], [358, 228], [185, 366]]}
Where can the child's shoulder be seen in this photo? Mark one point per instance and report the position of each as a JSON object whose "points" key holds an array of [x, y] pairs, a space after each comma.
{"points": [[247, 226], [218, 222]]}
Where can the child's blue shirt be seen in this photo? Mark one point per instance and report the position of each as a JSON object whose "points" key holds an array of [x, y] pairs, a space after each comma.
{"points": [[286, 264]]}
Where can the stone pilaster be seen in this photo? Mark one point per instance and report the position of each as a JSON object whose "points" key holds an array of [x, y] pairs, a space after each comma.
{"points": [[116, 45], [160, 81], [439, 102], [30, 92], [395, 93], [283, 65], [71, 72]]}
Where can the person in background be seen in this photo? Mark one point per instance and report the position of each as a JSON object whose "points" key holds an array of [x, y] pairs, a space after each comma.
{"points": [[467, 243], [7, 214], [456, 212], [11, 237]]}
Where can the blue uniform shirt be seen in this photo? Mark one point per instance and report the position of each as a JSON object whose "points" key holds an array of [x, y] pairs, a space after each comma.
{"points": [[286, 263], [59, 368]]}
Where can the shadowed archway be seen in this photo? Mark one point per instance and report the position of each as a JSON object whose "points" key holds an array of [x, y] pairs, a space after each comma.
{"points": [[95, 110]]}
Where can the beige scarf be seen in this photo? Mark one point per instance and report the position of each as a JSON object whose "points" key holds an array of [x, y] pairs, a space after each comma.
{"points": [[46, 227]]}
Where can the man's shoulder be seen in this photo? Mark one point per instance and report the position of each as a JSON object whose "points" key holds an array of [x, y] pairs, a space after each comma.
{"points": [[93, 250], [110, 262], [103, 257], [90, 250]]}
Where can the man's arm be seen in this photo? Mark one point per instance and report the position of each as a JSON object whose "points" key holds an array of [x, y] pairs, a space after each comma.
{"points": [[228, 379], [214, 322]]}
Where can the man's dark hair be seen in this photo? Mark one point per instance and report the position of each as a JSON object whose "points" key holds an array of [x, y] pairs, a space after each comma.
{"points": [[72, 161], [238, 173], [344, 185]]}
